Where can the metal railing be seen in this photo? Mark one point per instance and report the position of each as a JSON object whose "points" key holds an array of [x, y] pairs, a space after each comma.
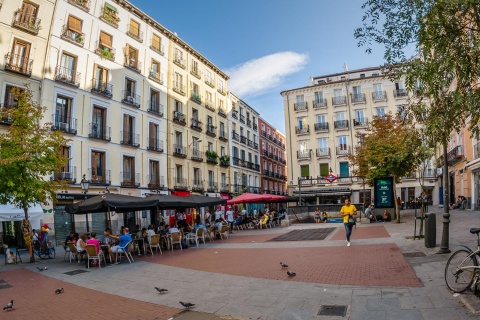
{"points": [[133, 64], [102, 88], [361, 122], [340, 100], [196, 124], [73, 36], [155, 107], [105, 52], [197, 154], [64, 124], [358, 97], [26, 21], [18, 63], [135, 33], [340, 124], [179, 150], [68, 76], [160, 50], [179, 61], [98, 131], [99, 177], [302, 130], [130, 138], [66, 174], [195, 96], [155, 181], [178, 87], [155, 76], [211, 130], [400, 93], [180, 183], [323, 152], [82, 4], [343, 150], [379, 96], [130, 179], [320, 103], [321, 126], [179, 117], [304, 154], [300, 106], [131, 98], [155, 144]]}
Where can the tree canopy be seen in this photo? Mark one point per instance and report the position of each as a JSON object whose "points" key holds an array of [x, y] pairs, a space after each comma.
{"points": [[446, 64]]}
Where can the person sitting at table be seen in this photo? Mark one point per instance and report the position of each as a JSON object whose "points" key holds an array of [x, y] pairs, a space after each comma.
{"points": [[387, 216], [69, 238], [124, 239], [264, 220], [238, 221], [180, 219], [172, 229], [81, 243], [163, 228]]}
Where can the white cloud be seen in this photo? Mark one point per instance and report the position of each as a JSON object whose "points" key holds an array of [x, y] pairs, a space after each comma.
{"points": [[259, 75]]}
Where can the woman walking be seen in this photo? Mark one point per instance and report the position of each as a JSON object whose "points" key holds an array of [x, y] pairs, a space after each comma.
{"points": [[347, 212]]}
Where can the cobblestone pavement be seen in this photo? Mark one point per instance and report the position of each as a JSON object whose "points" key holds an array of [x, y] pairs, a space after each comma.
{"points": [[241, 278]]}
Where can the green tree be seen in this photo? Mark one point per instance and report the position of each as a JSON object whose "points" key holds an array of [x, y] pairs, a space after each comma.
{"points": [[390, 146], [28, 155]]}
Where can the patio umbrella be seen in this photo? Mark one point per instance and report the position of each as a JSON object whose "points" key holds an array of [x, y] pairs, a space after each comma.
{"points": [[249, 198], [111, 201], [191, 201], [203, 201], [275, 198]]}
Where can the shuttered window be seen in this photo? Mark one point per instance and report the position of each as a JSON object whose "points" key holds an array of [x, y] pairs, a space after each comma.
{"points": [[74, 24], [156, 42], [105, 39], [134, 28], [305, 170]]}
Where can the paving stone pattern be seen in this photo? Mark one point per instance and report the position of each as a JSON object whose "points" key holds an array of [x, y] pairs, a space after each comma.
{"points": [[303, 235]]}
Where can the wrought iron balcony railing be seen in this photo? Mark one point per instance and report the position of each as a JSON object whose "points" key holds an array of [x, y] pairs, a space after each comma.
{"points": [[180, 183], [323, 152], [65, 174], [343, 150], [339, 100], [68, 76], [82, 4], [64, 124], [72, 36], [26, 21], [302, 130], [155, 107], [99, 176], [102, 88], [340, 124], [379, 96], [196, 124], [320, 103], [321, 126], [18, 63], [155, 144], [131, 98], [130, 179], [98, 131], [197, 155], [304, 154], [300, 106], [179, 151], [134, 33], [104, 51], [130, 138], [155, 76], [179, 117]]}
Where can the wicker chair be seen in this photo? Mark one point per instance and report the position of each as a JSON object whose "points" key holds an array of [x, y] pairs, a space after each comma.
{"points": [[93, 255], [176, 238], [154, 243], [74, 254]]}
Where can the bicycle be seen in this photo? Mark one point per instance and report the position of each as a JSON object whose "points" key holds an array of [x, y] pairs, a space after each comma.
{"points": [[462, 270]]}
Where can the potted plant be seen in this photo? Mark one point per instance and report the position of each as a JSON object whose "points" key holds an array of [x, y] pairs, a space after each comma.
{"points": [[106, 53], [225, 160], [211, 156]]}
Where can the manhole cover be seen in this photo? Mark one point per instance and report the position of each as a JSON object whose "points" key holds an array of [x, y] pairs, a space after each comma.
{"points": [[74, 272], [302, 235], [414, 254], [340, 311]]}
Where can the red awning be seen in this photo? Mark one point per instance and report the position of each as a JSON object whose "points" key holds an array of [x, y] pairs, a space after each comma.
{"points": [[180, 193], [255, 198]]}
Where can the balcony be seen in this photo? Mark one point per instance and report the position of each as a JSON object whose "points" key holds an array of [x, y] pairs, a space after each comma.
{"points": [[224, 188], [255, 146], [210, 105], [104, 51], [197, 185], [235, 114], [155, 76], [67, 76], [339, 101], [19, 64], [476, 150], [235, 161], [109, 15], [196, 124], [235, 136], [160, 49], [5, 117], [179, 151], [250, 143], [197, 155], [264, 133], [323, 152], [256, 167], [130, 179], [270, 155], [130, 139], [195, 97], [400, 93], [379, 96], [300, 106], [266, 173], [66, 174], [223, 136], [212, 157], [221, 111], [131, 99], [455, 155], [195, 72], [155, 107], [211, 130], [179, 118], [155, 181], [134, 33], [179, 88], [249, 123], [82, 4], [72, 36], [430, 173], [302, 130], [224, 161], [265, 153], [179, 183], [255, 126], [26, 21], [65, 124], [179, 61], [221, 90], [343, 150], [242, 118], [304, 154], [320, 103], [341, 124], [98, 131], [358, 97], [243, 139], [99, 177], [361, 122], [133, 64], [210, 83], [155, 144], [102, 88], [321, 126], [212, 186]]}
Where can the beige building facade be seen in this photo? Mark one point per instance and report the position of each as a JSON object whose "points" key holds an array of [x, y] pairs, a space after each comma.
{"points": [[322, 120]]}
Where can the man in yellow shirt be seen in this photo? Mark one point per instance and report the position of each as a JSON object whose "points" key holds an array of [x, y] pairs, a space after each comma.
{"points": [[348, 211]]}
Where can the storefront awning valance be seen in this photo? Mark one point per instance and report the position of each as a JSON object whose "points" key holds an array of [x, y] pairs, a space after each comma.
{"points": [[9, 212]]}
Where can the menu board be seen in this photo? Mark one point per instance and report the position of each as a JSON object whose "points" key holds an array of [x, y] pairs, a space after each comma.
{"points": [[383, 192]]}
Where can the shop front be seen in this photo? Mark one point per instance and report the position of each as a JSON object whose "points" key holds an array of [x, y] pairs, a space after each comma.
{"points": [[11, 217]]}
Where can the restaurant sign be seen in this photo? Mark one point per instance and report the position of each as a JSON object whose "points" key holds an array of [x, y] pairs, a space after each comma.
{"points": [[383, 192]]}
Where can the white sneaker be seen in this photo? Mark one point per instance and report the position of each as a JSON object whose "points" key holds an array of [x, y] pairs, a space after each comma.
{"points": [[348, 244]]}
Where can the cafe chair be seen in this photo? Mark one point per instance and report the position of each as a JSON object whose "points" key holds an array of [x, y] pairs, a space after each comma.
{"points": [[74, 252], [176, 238], [94, 256], [126, 250], [154, 243]]}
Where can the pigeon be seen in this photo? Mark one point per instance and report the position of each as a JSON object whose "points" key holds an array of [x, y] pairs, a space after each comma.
{"points": [[161, 290], [9, 306], [291, 274], [41, 269], [284, 265], [59, 290], [187, 304]]}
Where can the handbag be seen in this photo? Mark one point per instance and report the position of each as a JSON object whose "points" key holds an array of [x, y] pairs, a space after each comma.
{"points": [[351, 221]]}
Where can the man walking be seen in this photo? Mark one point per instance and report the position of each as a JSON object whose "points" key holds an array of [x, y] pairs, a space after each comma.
{"points": [[347, 212]]}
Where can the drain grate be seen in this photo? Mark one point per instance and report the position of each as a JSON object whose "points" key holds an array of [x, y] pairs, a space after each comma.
{"points": [[340, 311], [74, 272], [414, 254], [307, 234]]}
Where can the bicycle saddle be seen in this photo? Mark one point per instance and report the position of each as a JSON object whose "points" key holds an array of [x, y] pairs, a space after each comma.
{"points": [[474, 230]]}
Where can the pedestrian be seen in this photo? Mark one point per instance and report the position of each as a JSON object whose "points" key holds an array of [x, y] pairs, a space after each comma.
{"points": [[317, 215], [230, 219], [347, 212]]}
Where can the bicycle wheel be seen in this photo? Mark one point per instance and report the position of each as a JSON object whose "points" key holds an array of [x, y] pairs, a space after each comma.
{"points": [[51, 253], [457, 274]]}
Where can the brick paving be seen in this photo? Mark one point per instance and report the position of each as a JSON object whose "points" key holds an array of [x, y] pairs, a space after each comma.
{"points": [[34, 298], [370, 232], [238, 238], [363, 265], [304, 235]]}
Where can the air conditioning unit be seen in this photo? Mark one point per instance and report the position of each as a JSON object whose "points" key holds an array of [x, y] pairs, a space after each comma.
{"points": [[130, 99], [178, 150]]}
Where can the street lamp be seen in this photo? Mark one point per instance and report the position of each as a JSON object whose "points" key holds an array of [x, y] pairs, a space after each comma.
{"points": [[85, 183]]}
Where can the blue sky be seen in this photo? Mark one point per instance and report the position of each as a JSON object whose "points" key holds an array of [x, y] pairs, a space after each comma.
{"points": [[267, 46]]}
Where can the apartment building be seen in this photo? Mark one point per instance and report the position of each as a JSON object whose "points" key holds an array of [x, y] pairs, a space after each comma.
{"points": [[322, 120], [244, 146], [472, 168], [24, 30], [272, 159]]}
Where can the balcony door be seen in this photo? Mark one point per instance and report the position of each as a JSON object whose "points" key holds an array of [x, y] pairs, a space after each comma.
{"points": [[98, 167], [20, 54], [128, 128], [98, 122], [101, 79], [63, 112], [68, 64], [128, 170]]}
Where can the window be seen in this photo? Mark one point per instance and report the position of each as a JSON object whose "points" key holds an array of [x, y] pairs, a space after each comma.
{"points": [[319, 97], [305, 171], [154, 101], [322, 144], [9, 99], [357, 93], [178, 139], [99, 122], [342, 142], [210, 146], [134, 28], [194, 66], [340, 116], [321, 118], [380, 112], [377, 88], [324, 169], [130, 88], [242, 155], [74, 29], [65, 170], [178, 106], [300, 99], [98, 174], [264, 165], [197, 177], [153, 133], [156, 43], [220, 85], [27, 14], [128, 170], [194, 114], [303, 145], [155, 71], [223, 180], [154, 172], [359, 117], [128, 129], [18, 60], [235, 152], [100, 82], [68, 64], [209, 101], [402, 112], [337, 93], [208, 77], [344, 170], [63, 112], [256, 159], [222, 151], [105, 41], [211, 178], [249, 157], [179, 173], [178, 82], [131, 57]]}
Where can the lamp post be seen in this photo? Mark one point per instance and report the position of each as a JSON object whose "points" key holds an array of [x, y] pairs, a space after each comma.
{"points": [[85, 183]]}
